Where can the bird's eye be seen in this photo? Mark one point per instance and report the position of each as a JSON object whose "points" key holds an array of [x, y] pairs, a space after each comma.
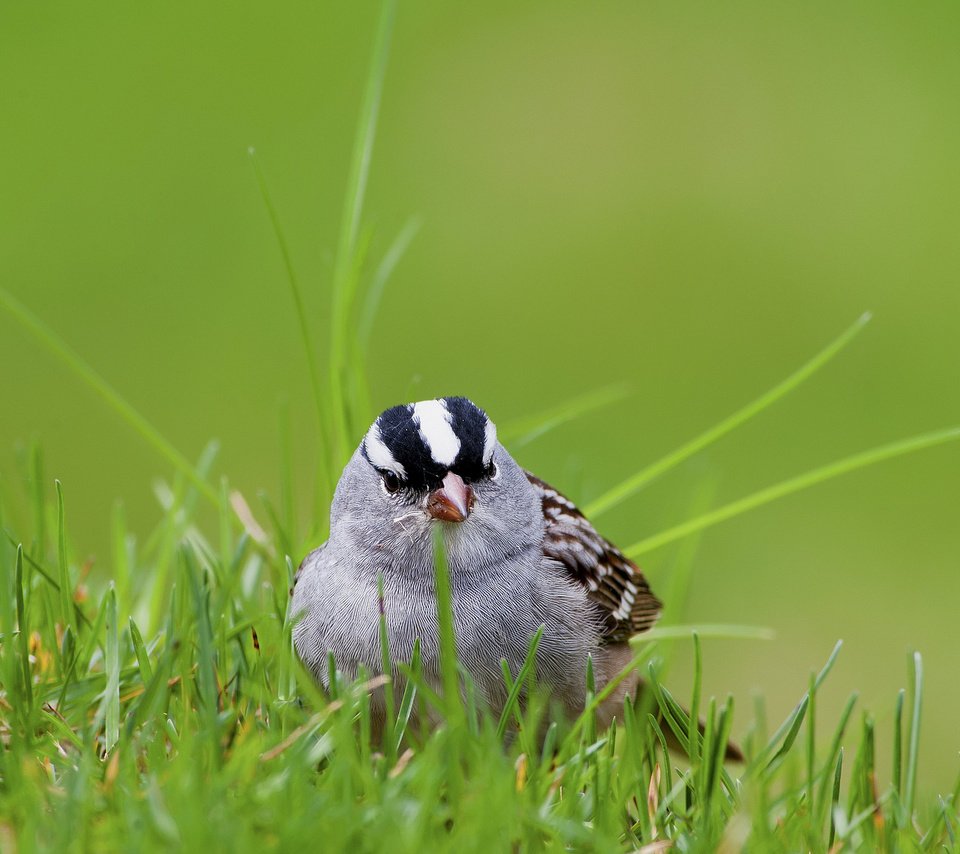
{"points": [[492, 471], [391, 482]]}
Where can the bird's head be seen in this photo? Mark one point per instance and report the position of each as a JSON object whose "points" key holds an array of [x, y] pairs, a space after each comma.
{"points": [[429, 465]]}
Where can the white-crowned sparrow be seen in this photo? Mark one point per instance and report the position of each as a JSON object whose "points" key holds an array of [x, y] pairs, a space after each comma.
{"points": [[520, 555]]}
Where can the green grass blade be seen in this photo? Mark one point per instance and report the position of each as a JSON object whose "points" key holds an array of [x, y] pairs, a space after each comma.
{"points": [[835, 751], [47, 575], [140, 650], [695, 702], [590, 725], [835, 799], [795, 718], [795, 484], [345, 271], [796, 721], [378, 283], [408, 699], [641, 657], [523, 431], [23, 631], [898, 745], [56, 345], [206, 663], [112, 666], [386, 667], [510, 707], [66, 587], [449, 670], [913, 746], [811, 739], [632, 484], [301, 312], [705, 630]]}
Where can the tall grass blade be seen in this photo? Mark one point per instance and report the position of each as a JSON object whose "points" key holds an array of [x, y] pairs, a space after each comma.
{"points": [[795, 718], [695, 702], [449, 671], [898, 745], [516, 687], [303, 323], [206, 664], [378, 283], [632, 484], [346, 264], [705, 630], [140, 650], [835, 799], [523, 431], [23, 629], [913, 747], [386, 668], [811, 739], [795, 484], [408, 699], [56, 345], [47, 575], [66, 587], [835, 751], [112, 666]]}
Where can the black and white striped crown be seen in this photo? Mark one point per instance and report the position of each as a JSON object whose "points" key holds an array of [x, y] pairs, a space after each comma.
{"points": [[421, 442]]}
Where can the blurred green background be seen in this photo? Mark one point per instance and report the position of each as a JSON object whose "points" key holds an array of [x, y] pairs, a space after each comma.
{"points": [[690, 198]]}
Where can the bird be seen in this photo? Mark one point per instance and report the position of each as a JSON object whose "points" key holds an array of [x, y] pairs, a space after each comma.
{"points": [[520, 556]]}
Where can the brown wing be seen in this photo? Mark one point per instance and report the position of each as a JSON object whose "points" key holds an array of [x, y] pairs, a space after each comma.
{"points": [[614, 582]]}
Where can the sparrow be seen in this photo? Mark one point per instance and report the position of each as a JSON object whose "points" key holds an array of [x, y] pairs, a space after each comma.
{"points": [[520, 556]]}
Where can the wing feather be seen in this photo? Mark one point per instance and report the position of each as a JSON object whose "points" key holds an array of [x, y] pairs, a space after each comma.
{"points": [[613, 581]]}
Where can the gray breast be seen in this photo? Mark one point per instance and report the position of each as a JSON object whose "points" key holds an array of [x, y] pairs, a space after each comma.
{"points": [[494, 619]]}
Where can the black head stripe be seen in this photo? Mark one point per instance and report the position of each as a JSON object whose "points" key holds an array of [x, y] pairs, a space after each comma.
{"points": [[402, 437], [469, 422]]}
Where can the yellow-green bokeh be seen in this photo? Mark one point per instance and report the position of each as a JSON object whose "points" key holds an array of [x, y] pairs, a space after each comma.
{"points": [[690, 198]]}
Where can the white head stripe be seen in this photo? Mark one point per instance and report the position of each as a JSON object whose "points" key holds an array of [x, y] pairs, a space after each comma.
{"points": [[489, 441], [433, 421], [379, 454]]}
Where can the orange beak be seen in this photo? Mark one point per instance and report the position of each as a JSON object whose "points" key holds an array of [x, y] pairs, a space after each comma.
{"points": [[452, 501]]}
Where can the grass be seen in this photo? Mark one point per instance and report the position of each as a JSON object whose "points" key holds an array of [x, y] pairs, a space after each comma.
{"points": [[199, 725], [170, 709]]}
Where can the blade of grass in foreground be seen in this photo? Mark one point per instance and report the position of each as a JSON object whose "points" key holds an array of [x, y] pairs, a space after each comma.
{"points": [[914, 743], [632, 484], [795, 484], [66, 588], [448, 639], [510, 706], [345, 270], [791, 726], [56, 345], [46, 574], [24, 630], [112, 665]]}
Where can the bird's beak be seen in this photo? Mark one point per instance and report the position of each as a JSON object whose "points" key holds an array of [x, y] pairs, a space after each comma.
{"points": [[452, 501]]}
